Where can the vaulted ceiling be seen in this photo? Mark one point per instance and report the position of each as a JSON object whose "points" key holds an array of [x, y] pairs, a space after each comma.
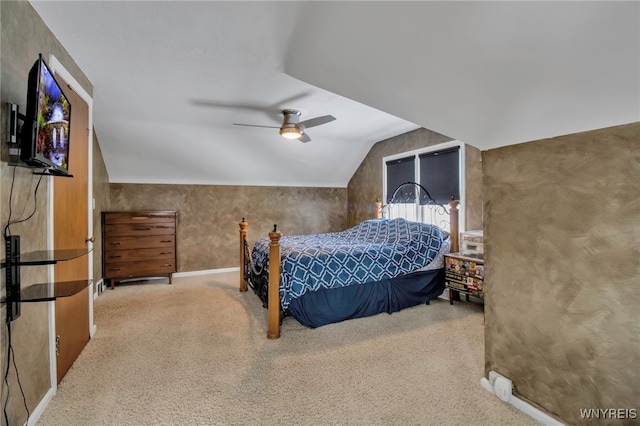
{"points": [[171, 78]]}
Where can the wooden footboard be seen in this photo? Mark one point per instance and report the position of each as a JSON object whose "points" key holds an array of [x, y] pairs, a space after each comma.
{"points": [[273, 305]]}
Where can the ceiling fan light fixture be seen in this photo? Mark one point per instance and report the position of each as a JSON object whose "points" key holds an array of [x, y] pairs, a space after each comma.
{"points": [[291, 132], [292, 127]]}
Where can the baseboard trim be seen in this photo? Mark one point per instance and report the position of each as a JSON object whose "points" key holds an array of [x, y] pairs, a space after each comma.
{"points": [[538, 415], [206, 272], [99, 288], [42, 405]]}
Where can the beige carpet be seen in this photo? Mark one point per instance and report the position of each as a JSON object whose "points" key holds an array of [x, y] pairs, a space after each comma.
{"points": [[196, 353]]}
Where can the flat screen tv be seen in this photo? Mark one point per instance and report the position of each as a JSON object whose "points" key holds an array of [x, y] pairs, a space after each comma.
{"points": [[47, 124]]}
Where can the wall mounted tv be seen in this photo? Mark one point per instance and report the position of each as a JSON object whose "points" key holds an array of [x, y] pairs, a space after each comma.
{"points": [[46, 129]]}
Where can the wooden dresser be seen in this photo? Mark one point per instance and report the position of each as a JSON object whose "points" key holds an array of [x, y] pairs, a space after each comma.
{"points": [[138, 244]]}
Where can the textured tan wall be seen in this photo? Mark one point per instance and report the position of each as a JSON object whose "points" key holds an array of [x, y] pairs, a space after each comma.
{"points": [[208, 231], [562, 253], [366, 184], [102, 197], [473, 190], [23, 36]]}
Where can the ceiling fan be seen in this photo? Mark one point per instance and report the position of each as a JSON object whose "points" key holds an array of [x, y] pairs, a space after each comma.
{"points": [[292, 127]]}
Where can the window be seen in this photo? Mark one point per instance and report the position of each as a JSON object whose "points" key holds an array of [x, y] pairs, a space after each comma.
{"points": [[398, 172], [439, 169], [440, 174]]}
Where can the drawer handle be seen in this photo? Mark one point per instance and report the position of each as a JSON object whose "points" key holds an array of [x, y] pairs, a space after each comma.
{"points": [[141, 229], [166, 252], [115, 244], [115, 257], [163, 226], [167, 264], [140, 217], [166, 241], [116, 269]]}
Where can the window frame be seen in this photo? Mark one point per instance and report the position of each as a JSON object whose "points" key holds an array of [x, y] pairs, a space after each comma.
{"points": [[416, 154]]}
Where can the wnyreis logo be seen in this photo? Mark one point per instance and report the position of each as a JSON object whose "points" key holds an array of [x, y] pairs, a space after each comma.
{"points": [[608, 413]]}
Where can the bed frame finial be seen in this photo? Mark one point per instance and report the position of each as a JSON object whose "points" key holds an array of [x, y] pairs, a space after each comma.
{"points": [[378, 212]]}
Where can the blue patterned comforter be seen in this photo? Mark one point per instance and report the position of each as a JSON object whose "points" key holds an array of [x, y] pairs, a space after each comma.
{"points": [[374, 250]]}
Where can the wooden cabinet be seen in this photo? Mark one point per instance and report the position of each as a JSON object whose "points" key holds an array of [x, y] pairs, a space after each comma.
{"points": [[464, 273], [138, 244]]}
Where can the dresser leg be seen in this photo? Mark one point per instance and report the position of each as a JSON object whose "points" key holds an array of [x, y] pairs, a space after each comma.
{"points": [[170, 278]]}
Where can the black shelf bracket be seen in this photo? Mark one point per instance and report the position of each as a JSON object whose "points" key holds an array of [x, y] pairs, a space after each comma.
{"points": [[13, 127], [12, 276]]}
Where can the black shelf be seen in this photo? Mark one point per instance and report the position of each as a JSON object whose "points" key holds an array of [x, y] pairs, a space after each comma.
{"points": [[48, 257], [51, 291], [47, 292]]}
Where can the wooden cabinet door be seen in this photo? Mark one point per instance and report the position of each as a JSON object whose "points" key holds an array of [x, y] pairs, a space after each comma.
{"points": [[70, 228]]}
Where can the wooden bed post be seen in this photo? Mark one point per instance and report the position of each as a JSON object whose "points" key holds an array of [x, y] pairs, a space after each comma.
{"points": [[273, 331], [378, 212], [454, 226], [243, 264]]}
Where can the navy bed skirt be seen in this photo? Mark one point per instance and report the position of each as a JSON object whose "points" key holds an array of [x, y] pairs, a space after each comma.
{"points": [[326, 306]]}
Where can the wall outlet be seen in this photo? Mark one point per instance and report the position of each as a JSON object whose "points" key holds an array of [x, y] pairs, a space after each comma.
{"points": [[492, 378], [503, 388]]}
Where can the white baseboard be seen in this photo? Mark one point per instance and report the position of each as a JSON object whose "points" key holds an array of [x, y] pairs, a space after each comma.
{"points": [[206, 272], [99, 288], [42, 405], [538, 415]]}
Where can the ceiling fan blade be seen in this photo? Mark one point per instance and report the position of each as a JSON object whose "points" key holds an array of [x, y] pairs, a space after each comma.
{"points": [[214, 104], [274, 108], [291, 99], [256, 125], [304, 138], [312, 122]]}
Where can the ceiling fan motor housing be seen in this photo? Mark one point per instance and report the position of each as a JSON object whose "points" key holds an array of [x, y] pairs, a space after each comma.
{"points": [[290, 127]]}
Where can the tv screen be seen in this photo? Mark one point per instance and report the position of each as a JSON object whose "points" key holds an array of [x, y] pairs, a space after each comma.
{"points": [[46, 130]]}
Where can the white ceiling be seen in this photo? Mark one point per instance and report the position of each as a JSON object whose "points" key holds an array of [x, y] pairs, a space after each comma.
{"points": [[486, 73]]}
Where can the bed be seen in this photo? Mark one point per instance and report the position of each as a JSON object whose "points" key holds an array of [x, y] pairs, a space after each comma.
{"points": [[384, 264]]}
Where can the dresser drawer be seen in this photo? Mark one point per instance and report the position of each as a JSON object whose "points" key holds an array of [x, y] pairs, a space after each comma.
{"points": [[464, 267], [125, 243], [139, 217], [464, 282], [139, 229], [144, 268], [112, 256]]}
